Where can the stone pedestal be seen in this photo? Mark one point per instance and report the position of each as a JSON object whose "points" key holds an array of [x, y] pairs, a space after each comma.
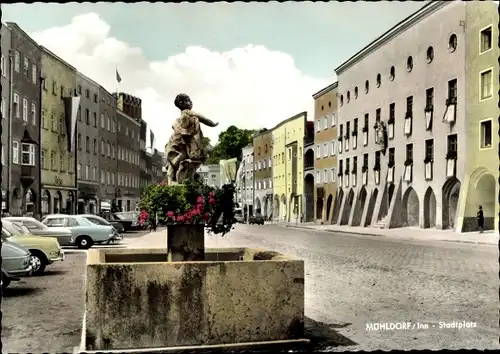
{"points": [[185, 243]]}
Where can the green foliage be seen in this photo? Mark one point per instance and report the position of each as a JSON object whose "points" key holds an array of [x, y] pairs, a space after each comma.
{"points": [[192, 203], [230, 144]]}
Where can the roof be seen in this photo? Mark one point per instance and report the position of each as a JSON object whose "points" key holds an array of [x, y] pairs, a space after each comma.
{"points": [[45, 50], [13, 25], [326, 90], [290, 119], [393, 32]]}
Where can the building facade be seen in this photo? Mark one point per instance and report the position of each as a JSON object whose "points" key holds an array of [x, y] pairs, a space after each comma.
{"points": [[263, 172], [129, 119], [309, 184], [210, 175], [156, 167], [324, 181], [288, 167], [107, 150], [407, 91], [23, 163], [144, 158], [481, 170], [5, 111], [246, 181], [87, 142]]}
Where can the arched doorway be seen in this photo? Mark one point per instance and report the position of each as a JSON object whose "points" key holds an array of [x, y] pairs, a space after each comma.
{"points": [[46, 202], [258, 207], [309, 159], [264, 206], [69, 203], [359, 207], [429, 208], [16, 202], [371, 207], [451, 193], [346, 213], [293, 207], [276, 205], [283, 207], [309, 196], [337, 206], [319, 208], [482, 193], [57, 202], [329, 202], [385, 204], [30, 202], [410, 208]]}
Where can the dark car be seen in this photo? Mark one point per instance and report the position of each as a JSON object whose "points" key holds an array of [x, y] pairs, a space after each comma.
{"points": [[257, 219], [129, 219], [96, 219]]}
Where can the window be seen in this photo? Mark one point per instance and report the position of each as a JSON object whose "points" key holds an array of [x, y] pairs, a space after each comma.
{"points": [[333, 120], [109, 126], [325, 149], [42, 120], [79, 141], [429, 149], [409, 64], [486, 84], [25, 109], [378, 114], [79, 170], [94, 173], [318, 151], [52, 160], [15, 152], [62, 91], [87, 144], [325, 123], [341, 132], [392, 74], [95, 146], [95, 97], [452, 143], [16, 105], [392, 155], [332, 175], [102, 120], [379, 80], [348, 96], [409, 104], [367, 118], [332, 148], [318, 177], [26, 67], [87, 172], [42, 159], [3, 155], [486, 133], [87, 116], [34, 72], [356, 92], [3, 108], [367, 86], [61, 126], [486, 39], [430, 55], [347, 165], [429, 97], [17, 61], [452, 43], [102, 147], [348, 129], [3, 65], [377, 158], [28, 154], [341, 166], [341, 100], [325, 176], [33, 113], [365, 160], [452, 89], [61, 162], [409, 152], [355, 164], [87, 93], [94, 119], [392, 112]]}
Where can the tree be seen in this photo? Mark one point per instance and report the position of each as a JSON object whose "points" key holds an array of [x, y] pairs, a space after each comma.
{"points": [[230, 144]]}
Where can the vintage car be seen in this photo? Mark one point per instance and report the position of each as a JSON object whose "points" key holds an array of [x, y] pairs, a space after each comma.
{"points": [[96, 219], [256, 219], [44, 250], [63, 235], [15, 262], [85, 233], [130, 220]]}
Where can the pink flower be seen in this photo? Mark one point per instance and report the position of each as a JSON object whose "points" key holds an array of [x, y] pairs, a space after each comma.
{"points": [[211, 194], [195, 212], [170, 214], [180, 218], [200, 207], [212, 201], [200, 200], [206, 216]]}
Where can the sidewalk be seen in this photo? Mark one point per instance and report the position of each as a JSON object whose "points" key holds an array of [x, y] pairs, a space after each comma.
{"points": [[412, 233], [156, 239]]}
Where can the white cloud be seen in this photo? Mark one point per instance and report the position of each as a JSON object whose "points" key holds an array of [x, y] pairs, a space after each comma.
{"points": [[250, 87]]}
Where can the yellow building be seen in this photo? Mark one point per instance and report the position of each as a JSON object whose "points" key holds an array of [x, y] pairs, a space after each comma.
{"points": [[288, 167], [58, 124]]}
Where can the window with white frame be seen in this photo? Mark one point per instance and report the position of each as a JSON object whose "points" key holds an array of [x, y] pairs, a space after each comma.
{"points": [[486, 39], [33, 113], [26, 67], [42, 159], [17, 61], [79, 170], [325, 122], [318, 125], [25, 109], [318, 151], [15, 152], [3, 155], [102, 120], [3, 65], [2, 109], [325, 176], [487, 84], [332, 148], [87, 172], [15, 107], [486, 133], [332, 175], [325, 149], [334, 120], [34, 71], [52, 160], [62, 162], [318, 177], [28, 154]]}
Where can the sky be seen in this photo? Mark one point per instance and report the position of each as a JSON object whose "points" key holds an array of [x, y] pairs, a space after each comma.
{"points": [[252, 65]]}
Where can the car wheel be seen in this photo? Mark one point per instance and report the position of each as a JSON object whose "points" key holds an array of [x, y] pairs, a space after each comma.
{"points": [[38, 262], [84, 242], [5, 281]]}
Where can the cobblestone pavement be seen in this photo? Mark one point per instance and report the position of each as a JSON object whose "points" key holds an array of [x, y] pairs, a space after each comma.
{"points": [[353, 281], [44, 314]]}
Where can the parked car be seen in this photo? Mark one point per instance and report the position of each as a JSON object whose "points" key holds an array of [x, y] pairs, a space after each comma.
{"points": [[257, 219], [15, 262], [85, 233], [130, 217], [238, 216], [112, 218], [63, 235], [96, 219], [44, 250]]}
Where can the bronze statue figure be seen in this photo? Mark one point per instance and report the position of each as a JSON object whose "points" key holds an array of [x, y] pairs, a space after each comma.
{"points": [[185, 151]]}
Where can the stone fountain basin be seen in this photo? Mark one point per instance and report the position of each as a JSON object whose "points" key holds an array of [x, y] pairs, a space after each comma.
{"points": [[135, 299]]}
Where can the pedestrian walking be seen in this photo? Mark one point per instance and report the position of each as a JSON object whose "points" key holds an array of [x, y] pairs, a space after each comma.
{"points": [[480, 219]]}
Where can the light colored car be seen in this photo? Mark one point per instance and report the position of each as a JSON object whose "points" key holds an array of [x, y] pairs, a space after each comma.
{"points": [[85, 233], [44, 250], [63, 235], [15, 262], [96, 219]]}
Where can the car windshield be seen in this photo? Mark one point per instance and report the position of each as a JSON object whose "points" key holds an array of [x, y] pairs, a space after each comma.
{"points": [[126, 215], [97, 220], [14, 228]]}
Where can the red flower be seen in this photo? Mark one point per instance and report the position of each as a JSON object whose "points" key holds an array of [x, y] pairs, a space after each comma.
{"points": [[180, 218], [170, 214], [212, 201], [211, 194], [200, 200], [200, 207], [206, 216], [195, 212]]}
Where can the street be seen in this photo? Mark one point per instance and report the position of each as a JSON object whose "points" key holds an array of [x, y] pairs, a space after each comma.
{"points": [[351, 282]]}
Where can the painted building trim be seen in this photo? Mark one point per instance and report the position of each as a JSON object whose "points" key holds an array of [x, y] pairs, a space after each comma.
{"points": [[325, 90]]}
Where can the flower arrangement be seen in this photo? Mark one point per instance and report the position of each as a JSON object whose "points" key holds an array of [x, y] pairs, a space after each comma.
{"points": [[143, 217], [192, 203]]}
